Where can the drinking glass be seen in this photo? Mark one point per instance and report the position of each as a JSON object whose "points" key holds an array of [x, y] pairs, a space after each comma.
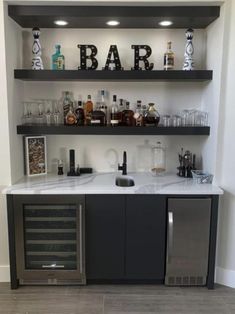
{"points": [[57, 117], [185, 117], [166, 120], [27, 117], [176, 121], [39, 117]]}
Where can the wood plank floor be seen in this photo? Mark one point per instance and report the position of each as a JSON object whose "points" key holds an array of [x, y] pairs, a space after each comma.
{"points": [[116, 299]]}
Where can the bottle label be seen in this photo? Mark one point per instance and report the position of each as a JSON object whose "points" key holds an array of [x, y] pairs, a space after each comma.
{"points": [[168, 62], [95, 122], [114, 121]]}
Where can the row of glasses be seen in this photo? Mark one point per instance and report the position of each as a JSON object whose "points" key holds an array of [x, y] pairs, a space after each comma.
{"points": [[186, 118], [42, 112]]}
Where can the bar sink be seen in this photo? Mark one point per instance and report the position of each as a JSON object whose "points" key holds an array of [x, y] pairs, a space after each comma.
{"points": [[124, 181]]}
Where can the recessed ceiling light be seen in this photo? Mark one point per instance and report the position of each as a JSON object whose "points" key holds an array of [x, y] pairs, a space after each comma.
{"points": [[61, 23], [165, 23], [113, 23]]}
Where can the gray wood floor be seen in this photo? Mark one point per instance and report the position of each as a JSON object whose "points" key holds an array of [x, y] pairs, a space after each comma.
{"points": [[115, 299]]}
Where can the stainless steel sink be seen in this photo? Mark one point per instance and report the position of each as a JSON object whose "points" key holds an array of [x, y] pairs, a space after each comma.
{"points": [[124, 181]]}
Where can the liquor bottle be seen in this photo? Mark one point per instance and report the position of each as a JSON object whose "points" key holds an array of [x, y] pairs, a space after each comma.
{"points": [[169, 58], [103, 107], [151, 117], [114, 114], [98, 117], [128, 116], [67, 101], [80, 114], [121, 109], [58, 61], [138, 115], [71, 118], [88, 108]]}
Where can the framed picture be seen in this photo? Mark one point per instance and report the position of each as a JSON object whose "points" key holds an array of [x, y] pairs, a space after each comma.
{"points": [[35, 155]]}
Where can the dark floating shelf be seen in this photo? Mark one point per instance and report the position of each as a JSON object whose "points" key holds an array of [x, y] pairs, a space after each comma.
{"points": [[108, 130], [104, 75], [43, 16]]}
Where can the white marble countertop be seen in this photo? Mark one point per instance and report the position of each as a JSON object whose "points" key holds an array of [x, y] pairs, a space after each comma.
{"points": [[104, 183]]}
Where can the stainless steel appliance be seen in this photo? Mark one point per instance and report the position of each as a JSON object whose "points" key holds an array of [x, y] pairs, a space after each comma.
{"points": [[187, 241], [50, 239]]}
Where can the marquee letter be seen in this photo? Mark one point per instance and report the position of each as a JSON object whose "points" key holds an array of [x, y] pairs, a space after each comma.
{"points": [[116, 61], [138, 58], [84, 57]]}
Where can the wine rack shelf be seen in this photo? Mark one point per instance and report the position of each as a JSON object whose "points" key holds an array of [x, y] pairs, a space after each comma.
{"points": [[102, 75], [109, 130]]}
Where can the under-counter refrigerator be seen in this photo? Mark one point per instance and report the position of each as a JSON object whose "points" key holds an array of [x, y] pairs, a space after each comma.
{"points": [[187, 241]]}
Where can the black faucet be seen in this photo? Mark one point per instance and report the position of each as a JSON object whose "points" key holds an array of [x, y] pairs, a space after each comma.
{"points": [[124, 164]]}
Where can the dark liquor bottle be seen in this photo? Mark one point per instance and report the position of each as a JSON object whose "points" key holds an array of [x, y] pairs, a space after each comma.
{"points": [[98, 116], [114, 114], [103, 106], [138, 116], [128, 116], [80, 114], [151, 117], [121, 109], [71, 118], [169, 58], [88, 108]]}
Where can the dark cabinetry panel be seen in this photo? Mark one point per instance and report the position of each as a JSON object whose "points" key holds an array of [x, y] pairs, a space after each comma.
{"points": [[105, 236], [145, 236]]}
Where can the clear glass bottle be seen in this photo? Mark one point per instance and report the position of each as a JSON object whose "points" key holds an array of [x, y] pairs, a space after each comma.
{"points": [[67, 101], [151, 117], [128, 116], [169, 58], [114, 114], [121, 108], [138, 116], [158, 159], [71, 118], [80, 114], [58, 61], [88, 108]]}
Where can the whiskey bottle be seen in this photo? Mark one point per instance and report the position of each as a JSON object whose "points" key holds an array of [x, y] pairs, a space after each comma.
{"points": [[138, 115], [121, 109], [169, 58], [103, 106], [58, 62], [79, 112], [88, 108], [128, 116], [71, 118], [114, 114]]}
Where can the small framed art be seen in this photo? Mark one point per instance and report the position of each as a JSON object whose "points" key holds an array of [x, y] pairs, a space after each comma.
{"points": [[35, 155]]}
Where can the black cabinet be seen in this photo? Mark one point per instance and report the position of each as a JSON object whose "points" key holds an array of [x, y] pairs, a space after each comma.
{"points": [[125, 237], [105, 236], [145, 236]]}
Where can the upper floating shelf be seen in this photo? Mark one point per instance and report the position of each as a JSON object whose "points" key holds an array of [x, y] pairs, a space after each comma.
{"points": [[29, 16], [104, 75]]}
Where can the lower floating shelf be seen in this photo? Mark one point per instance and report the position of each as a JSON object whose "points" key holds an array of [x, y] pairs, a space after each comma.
{"points": [[109, 130]]}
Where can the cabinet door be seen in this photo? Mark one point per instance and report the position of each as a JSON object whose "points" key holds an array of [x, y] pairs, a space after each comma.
{"points": [[49, 238], [145, 236], [105, 236]]}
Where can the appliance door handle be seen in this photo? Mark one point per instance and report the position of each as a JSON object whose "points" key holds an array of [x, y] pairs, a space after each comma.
{"points": [[52, 266], [80, 238], [170, 235]]}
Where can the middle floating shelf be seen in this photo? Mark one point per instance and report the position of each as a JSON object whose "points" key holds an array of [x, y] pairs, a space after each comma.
{"points": [[106, 75], [109, 130]]}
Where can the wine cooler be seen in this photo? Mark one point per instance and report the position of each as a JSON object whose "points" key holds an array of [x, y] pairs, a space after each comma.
{"points": [[50, 239]]}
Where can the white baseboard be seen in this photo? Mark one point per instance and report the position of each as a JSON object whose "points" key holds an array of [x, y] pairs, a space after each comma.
{"points": [[4, 273], [225, 277]]}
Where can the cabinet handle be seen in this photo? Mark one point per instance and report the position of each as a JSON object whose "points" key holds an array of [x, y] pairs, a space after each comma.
{"points": [[53, 266], [170, 234], [81, 239]]}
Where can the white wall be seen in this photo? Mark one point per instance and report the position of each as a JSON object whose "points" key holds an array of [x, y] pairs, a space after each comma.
{"points": [[169, 97], [225, 162]]}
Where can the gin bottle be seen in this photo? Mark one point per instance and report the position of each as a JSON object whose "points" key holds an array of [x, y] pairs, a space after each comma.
{"points": [[58, 61]]}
